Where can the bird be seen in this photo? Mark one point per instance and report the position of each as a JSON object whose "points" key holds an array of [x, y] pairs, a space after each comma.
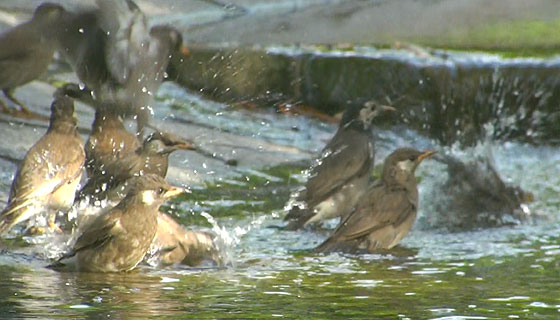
{"points": [[49, 175], [110, 178], [476, 196], [108, 142], [386, 212], [156, 150], [341, 174], [27, 51], [175, 245], [118, 239], [119, 60]]}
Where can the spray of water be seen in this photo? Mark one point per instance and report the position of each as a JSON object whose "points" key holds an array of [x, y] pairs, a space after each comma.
{"points": [[227, 241]]}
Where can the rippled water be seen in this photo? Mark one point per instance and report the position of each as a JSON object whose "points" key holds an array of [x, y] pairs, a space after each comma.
{"points": [[507, 272]]}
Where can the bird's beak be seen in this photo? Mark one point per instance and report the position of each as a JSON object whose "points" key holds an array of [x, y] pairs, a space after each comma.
{"points": [[387, 108], [426, 154], [185, 51], [173, 191], [187, 145]]}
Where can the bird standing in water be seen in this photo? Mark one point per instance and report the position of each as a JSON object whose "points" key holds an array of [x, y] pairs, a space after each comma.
{"points": [[152, 158], [121, 62], [49, 174], [156, 150], [26, 52], [341, 175], [119, 239], [386, 212], [109, 141]]}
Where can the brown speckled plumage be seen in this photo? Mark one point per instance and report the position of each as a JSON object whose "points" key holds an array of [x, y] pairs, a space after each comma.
{"points": [[119, 239], [48, 176], [339, 179]]}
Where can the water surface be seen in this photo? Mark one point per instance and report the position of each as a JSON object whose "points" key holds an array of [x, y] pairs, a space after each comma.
{"points": [[499, 273]]}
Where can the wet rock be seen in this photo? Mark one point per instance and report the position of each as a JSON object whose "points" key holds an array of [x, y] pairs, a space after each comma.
{"points": [[236, 73], [448, 96]]}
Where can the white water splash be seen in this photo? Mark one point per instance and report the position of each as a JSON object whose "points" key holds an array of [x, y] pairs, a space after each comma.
{"points": [[227, 241]]}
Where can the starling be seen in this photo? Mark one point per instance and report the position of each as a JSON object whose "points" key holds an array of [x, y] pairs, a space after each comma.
{"points": [[476, 196], [386, 212], [109, 142], [27, 51], [151, 158], [156, 150], [341, 175], [118, 239], [177, 245], [51, 170]]}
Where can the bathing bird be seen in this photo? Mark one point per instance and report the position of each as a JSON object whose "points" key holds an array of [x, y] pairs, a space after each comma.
{"points": [[111, 173], [174, 244], [108, 142], [49, 174], [476, 196], [386, 212], [341, 174], [118, 239]]}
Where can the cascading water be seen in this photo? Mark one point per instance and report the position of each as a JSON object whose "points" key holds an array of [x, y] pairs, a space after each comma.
{"points": [[481, 272]]}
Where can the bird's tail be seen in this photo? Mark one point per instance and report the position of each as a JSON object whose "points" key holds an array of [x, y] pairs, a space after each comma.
{"points": [[294, 212], [60, 265], [325, 247], [297, 218], [200, 247], [14, 213], [333, 244]]}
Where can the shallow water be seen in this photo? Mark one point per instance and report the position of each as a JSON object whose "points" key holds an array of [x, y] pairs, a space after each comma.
{"points": [[494, 274], [507, 272]]}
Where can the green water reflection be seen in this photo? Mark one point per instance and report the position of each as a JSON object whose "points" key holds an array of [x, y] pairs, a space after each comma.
{"points": [[274, 277], [523, 286]]}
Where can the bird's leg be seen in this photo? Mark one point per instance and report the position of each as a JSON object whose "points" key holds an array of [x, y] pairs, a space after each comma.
{"points": [[4, 107], [24, 112], [51, 223], [10, 96]]}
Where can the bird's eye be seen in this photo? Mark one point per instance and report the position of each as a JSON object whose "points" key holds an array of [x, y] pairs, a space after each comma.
{"points": [[160, 190], [412, 158]]}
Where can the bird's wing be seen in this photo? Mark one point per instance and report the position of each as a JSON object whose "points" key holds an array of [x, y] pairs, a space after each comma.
{"points": [[21, 57], [379, 209], [100, 231], [115, 171], [111, 145], [8, 57], [127, 36], [345, 158], [126, 167], [21, 38], [43, 171]]}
